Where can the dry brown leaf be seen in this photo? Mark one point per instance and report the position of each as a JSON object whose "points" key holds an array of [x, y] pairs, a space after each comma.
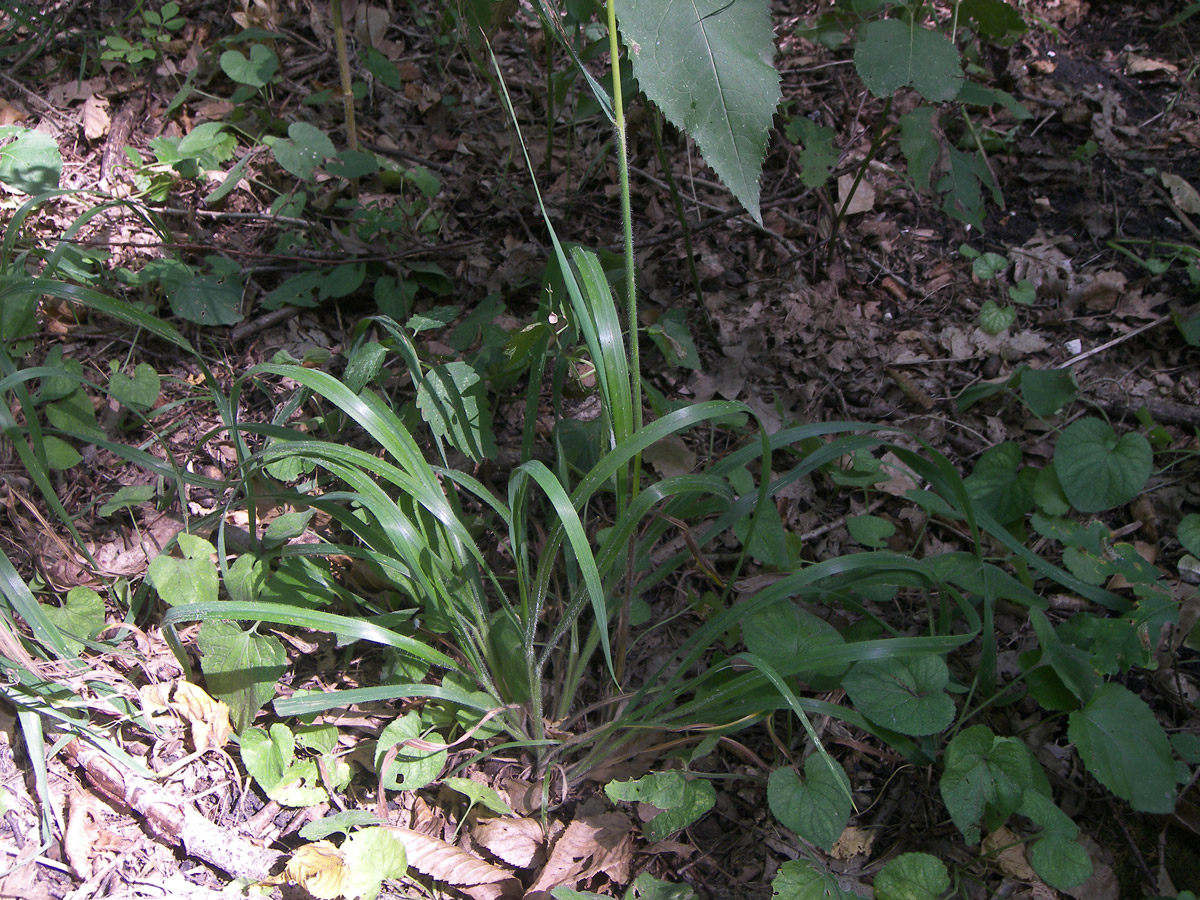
{"points": [[445, 862], [1135, 64], [670, 456], [1183, 194], [590, 845], [209, 718], [96, 122], [863, 199], [83, 824], [517, 842], [371, 24], [10, 114], [1103, 883], [854, 841], [319, 868], [1010, 859]]}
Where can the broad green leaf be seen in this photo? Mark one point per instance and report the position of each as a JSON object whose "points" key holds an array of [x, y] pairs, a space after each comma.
{"points": [[139, 392], [996, 19], [682, 800], [988, 265], [208, 300], [891, 54], [1060, 862], [647, 887], [478, 793], [76, 414], [286, 526], [674, 339], [305, 148], [707, 64], [784, 632], [1047, 391], [800, 879], [318, 738], [999, 485], [240, 667], [994, 318], [205, 138], [1097, 469], [353, 163], [256, 72], [245, 579], [60, 455], [912, 876], [412, 769], [1122, 744], [919, 144], [30, 164], [816, 808], [192, 579], [817, 155], [343, 281], [983, 771], [129, 496], [905, 695], [1189, 533], [338, 822], [1023, 292], [364, 365], [270, 760], [80, 616], [453, 401], [372, 856], [870, 531]]}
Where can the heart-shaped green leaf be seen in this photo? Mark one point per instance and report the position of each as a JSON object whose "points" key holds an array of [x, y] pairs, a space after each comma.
{"points": [[1097, 469], [816, 808]]}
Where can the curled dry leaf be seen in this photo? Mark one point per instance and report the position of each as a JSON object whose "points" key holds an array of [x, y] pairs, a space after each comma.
{"points": [[589, 846], [1007, 849], [96, 122], [443, 861], [518, 842]]}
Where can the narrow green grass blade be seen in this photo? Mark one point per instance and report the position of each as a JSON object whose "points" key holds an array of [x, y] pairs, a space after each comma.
{"points": [[282, 614]]}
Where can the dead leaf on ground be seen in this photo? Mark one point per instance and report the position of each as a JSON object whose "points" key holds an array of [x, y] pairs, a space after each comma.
{"points": [[670, 456], [589, 846], [1006, 848], [94, 115], [517, 842], [1183, 194], [863, 199], [443, 861], [10, 114]]}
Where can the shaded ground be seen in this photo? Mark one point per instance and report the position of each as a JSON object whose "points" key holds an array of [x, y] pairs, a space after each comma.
{"points": [[880, 324]]}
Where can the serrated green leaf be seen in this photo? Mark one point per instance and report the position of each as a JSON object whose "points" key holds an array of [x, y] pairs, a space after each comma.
{"points": [[365, 363], [240, 667], [674, 339], [707, 64], [817, 156], [912, 876], [999, 485], [245, 578], [129, 496], [192, 579], [891, 54], [983, 771], [905, 695], [372, 856], [988, 265], [412, 769], [80, 616], [1097, 469], [1122, 744], [816, 808]]}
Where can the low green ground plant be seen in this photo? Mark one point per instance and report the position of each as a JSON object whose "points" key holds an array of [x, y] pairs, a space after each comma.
{"points": [[513, 616]]}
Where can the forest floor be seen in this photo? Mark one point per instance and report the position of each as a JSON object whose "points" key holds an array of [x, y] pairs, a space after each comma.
{"points": [[871, 317]]}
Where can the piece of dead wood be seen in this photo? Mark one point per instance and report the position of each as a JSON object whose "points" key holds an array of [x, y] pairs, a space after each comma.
{"points": [[171, 818]]}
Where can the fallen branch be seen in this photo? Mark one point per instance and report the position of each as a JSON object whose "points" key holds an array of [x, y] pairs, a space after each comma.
{"points": [[172, 819]]}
